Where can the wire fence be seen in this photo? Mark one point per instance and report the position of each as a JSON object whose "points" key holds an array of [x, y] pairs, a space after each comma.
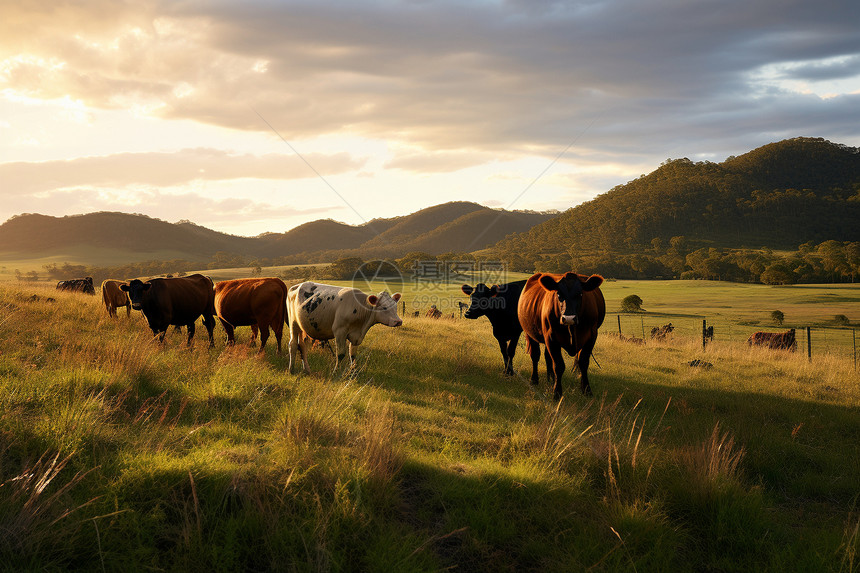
{"points": [[811, 340], [642, 327]]}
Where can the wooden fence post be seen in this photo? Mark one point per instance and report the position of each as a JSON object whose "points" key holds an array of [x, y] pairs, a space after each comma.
{"points": [[854, 340], [619, 324], [704, 332], [809, 343]]}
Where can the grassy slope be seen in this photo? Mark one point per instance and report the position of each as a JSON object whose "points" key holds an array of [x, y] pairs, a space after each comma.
{"points": [[79, 255], [425, 458]]}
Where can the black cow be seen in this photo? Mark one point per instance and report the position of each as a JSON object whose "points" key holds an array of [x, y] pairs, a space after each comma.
{"points": [[78, 285], [177, 301], [499, 304]]}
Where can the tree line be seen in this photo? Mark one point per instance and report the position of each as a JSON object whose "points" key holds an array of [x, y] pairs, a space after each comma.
{"points": [[827, 262]]}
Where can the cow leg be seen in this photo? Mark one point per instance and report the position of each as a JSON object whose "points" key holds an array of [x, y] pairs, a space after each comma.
{"points": [[254, 331], [297, 343], [209, 323], [558, 363], [191, 329], [278, 327], [533, 348], [340, 350], [127, 310], [231, 332], [548, 360], [512, 349], [264, 336], [352, 350], [503, 348], [584, 361]]}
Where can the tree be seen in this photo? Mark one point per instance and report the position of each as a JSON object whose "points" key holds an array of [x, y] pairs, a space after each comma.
{"points": [[777, 274], [344, 268], [778, 317], [631, 303]]}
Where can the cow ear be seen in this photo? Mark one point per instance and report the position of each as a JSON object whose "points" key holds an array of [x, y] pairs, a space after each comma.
{"points": [[548, 282], [372, 300], [494, 290], [467, 290], [396, 296], [592, 283], [123, 287]]}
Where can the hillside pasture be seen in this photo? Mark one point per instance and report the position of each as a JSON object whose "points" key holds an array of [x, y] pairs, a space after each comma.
{"points": [[118, 453]]}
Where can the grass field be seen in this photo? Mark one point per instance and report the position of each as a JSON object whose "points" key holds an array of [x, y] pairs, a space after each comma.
{"points": [[78, 254], [117, 453]]}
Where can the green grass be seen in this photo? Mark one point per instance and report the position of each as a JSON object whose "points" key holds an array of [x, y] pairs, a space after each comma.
{"points": [[79, 255], [117, 453]]}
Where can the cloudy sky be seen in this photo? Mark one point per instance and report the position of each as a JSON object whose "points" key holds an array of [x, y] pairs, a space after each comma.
{"points": [[257, 116]]}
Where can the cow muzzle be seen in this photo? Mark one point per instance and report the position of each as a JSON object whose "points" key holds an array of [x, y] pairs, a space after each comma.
{"points": [[569, 320], [135, 305], [397, 323]]}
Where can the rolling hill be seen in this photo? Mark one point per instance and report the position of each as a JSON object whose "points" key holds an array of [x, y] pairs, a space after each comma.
{"points": [[457, 226], [778, 196]]}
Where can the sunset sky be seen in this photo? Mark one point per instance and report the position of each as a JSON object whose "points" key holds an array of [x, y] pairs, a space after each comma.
{"points": [[251, 117]]}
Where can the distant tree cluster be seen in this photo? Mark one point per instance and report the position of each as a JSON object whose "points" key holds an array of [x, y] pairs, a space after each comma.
{"points": [[176, 267], [827, 262]]}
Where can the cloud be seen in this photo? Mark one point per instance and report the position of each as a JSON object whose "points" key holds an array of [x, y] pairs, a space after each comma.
{"points": [[437, 161], [164, 169], [443, 75]]}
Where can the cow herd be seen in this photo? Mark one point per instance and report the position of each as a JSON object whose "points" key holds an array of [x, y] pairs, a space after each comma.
{"points": [[562, 312]]}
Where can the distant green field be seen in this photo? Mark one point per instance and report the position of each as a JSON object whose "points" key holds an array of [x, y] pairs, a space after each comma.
{"points": [[78, 255]]}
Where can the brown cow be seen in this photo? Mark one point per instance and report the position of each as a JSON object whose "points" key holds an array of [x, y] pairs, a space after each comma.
{"points": [[114, 297], [774, 340], [433, 312], [177, 301], [563, 312], [257, 302]]}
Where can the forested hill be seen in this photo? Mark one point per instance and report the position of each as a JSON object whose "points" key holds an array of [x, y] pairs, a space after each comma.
{"points": [[779, 196], [457, 226], [33, 233]]}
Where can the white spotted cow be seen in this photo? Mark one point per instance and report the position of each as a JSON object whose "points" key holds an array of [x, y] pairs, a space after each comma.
{"points": [[325, 312]]}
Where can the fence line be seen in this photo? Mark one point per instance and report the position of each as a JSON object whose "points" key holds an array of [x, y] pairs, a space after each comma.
{"points": [[832, 340]]}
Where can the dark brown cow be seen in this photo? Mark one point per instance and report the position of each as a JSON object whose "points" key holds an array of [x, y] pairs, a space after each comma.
{"points": [[178, 301], [114, 297], [662, 332], [78, 285], [433, 312], [258, 302], [563, 312], [775, 340]]}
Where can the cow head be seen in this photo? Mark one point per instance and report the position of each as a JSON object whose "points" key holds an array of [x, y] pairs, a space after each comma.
{"points": [[569, 293], [384, 308], [481, 299], [135, 290]]}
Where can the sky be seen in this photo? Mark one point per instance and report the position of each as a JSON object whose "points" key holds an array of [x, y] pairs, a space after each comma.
{"points": [[258, 116]]}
